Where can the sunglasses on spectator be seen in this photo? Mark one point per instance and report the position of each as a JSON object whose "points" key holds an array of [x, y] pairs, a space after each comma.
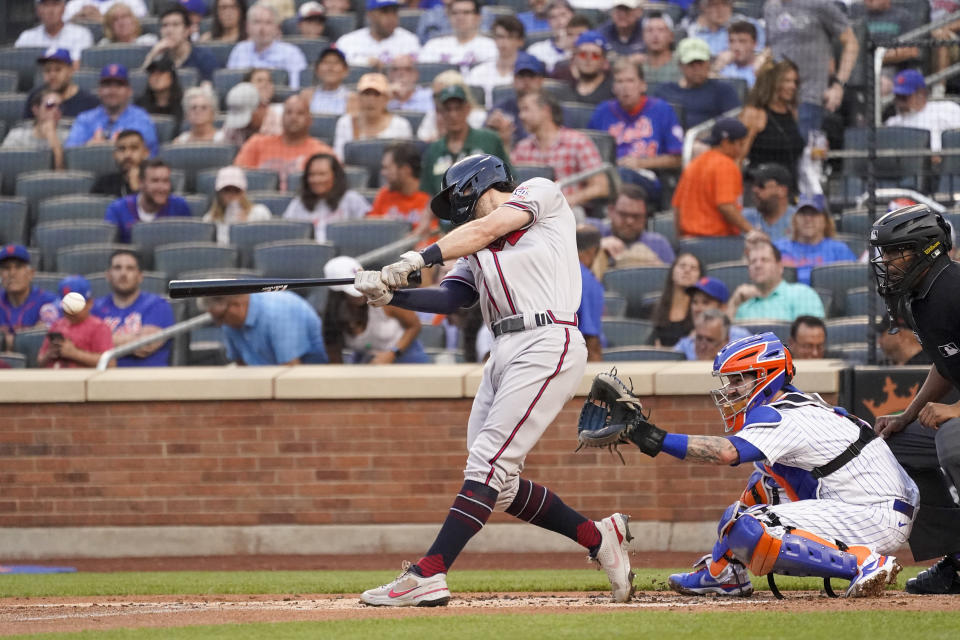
{"points": [[590, 55], [51, 104]]}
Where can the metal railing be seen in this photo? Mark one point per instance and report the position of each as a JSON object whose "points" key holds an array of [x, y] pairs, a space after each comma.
{"points": [[690, 137], [164, 335]]}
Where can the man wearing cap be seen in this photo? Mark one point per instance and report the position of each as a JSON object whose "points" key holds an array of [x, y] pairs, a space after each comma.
{"points": [[659, 62], [701, 96], [197, 11], [713, 331], [528, 75], [910, 96], [129, 152], [588, 72], [264, 49], [155, 200], [330, 94], [508, 35], [78, 338], [768, 296], [460, 140], [311, 20], [772, 212], [382, 40], [812, 242], [114, 114], [175, 44], [56, 66], [53, 32], [709, 195], [22, 305], [465, 47], [371, 119], [246, 113], [94, 10], [624, 30]]}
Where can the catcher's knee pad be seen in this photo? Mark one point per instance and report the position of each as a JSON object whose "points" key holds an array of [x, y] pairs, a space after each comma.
{"points": [[948, 449]]}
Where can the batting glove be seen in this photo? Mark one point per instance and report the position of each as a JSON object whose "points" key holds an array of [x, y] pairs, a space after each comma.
{"points": [[368, 283], [395, 275]]}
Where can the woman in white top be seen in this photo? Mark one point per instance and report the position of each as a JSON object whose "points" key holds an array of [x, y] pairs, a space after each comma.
{"points": [[428, 130], [231, 206], [372, 119], [121, 26], [324, 196], [199, 109], [376, 335]]}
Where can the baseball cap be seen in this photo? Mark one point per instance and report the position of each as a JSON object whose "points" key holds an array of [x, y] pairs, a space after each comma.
{"points": [[592, 37], [194, 6], [381, 4], [242, 101], [726, 129], [373, 82], [771, 171], [629, 4], [452, 92], [527, 62], [908, 82], [814, 202], [53, 53], [311, 9], [114, 71], [75, 284], [712, 287], [334, 51], [343, 267], [14, 252], [231, 177], [693, 49]]}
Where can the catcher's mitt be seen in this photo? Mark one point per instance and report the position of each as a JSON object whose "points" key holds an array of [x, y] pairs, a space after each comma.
{"points": [[612, 416]]}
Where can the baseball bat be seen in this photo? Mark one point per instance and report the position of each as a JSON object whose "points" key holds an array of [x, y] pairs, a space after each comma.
{"points": [[232, 287]]}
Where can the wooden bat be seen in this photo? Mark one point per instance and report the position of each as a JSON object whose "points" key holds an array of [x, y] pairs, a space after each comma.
{"points": [[232, 287]]}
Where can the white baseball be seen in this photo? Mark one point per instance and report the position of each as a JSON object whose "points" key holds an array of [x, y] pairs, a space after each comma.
{"points": [[73, 303]]}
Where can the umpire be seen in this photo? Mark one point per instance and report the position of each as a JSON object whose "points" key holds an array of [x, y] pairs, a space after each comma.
{"points": [[921, 285]]}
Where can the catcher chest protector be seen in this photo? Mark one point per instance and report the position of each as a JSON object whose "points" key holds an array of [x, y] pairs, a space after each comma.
{"points": [[463, 184]]}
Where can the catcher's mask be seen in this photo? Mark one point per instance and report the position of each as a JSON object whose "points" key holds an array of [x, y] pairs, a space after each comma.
{"points": [[907, 241], [463, 184], [752, 370]]}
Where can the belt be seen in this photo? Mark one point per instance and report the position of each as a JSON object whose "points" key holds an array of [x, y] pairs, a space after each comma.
{"points": [[524, 321], [905, 508]]}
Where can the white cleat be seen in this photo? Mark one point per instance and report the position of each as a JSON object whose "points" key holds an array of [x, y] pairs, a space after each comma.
{"points": [[612, 555], [410, 590], [873, 576]]}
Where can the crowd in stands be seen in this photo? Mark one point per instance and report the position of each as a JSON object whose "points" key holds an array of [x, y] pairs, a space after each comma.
{"points": [[339, 112]]}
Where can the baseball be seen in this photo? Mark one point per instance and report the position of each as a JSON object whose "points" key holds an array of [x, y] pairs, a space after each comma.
{"points": [[73, 303]]}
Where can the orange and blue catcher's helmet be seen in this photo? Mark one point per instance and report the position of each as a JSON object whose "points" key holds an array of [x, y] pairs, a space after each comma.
{"points": [[753, 370]]}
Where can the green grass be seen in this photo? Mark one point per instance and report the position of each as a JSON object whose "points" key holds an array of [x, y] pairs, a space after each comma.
{"points": [[668, 625], [299, 582]]}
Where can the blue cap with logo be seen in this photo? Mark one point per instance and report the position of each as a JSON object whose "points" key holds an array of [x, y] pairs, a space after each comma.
{"points": [[381, 4], [815, 202], [114, 71], [194, 6], [14, 252], [58, 55], [726, 129], [527, 62], [594, 38], [75, 284], [908, 82], [712, 287]]}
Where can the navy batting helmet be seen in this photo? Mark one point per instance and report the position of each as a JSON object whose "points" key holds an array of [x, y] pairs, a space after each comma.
{"points": [[909, 240], [464, 183]]}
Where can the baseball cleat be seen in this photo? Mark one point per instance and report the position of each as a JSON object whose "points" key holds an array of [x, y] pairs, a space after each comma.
{"points": [[612, 555], [733, 581], [873, 576], [940, 579], [410, 590]]}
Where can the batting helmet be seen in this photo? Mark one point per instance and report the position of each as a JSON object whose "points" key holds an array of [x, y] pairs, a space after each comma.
{"points": [[767, 359], [464, 183], [909, 240]]}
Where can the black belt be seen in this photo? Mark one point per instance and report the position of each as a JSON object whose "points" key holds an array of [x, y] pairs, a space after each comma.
{"points": [[851, 452], [905, 508], [513, 324]]}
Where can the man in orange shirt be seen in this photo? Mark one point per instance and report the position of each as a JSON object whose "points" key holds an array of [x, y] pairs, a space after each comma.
{"points": [[288, 152], [708, 198], [401, 198]]}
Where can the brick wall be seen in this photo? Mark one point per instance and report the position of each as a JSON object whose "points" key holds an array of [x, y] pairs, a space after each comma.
{"points": [[316, 462]]}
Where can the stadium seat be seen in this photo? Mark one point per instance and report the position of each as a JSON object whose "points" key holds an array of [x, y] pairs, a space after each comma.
{"points": [[311, 47], [338, 25], [129, 55], [356, 237], [292, 258], [97, 159], [13, 220], [194, 157], [48, 280], [857, 242], [826, 298], [838, 278], [367, 153], [14, 161], [257, 180], [220, 51], [415, 118], [855, 329], [226, 79], [28, 343], [503, 92], [576, 115], [854, 353], [8, 81], [711, 250], [739, 86], [324, 125], [199, 203], [174, 259], [38, 185], [626, 354], [166, 128], [23, 61], [14, 360], [664, 224], [614, 305], [355, 72], [524, 172], [276, 201], [433, 336], [52, 236], [858, 301], [11, 107], [902, 170], [410, 18], [247, 235], [732, 274], [648, 304], [357, 177], [430, 70], [949, 166], [73, 207], [605, 143], [153, 282], [779, 327], [86, 258], [856, 221], [626, 333], [147, 236], [633, 283]]}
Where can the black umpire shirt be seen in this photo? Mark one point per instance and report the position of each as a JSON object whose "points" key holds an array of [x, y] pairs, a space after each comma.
{"points": [[936, 318]]}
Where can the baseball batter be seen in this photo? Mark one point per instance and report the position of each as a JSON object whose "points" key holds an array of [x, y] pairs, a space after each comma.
{"points": [[516, 253]]}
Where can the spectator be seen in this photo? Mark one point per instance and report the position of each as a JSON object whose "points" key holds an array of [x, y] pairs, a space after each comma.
{"points": [[325, 196], [708, 294], [262, 79], [269, 328], [246, 113], [337, 7], [508, 35], [400, 198], [154, 201], [230, 204], [22, 305], [53, 32], [899, 344], [121, 26], [435, 20], [57, 69], [659, 63], [671, 317], [459, 141], [311, 20], [711, 330], [380, 42], [132, 313], [590, 313], [808, 338], [264, 49], [285, 153], [702, 97], [770, 115], [883, 21], [44, 132], [76, 339], [329, 95], [129, 152], [812, 241], [115, 113], [376, 335], [528, 75], [557, 48], [566, 151], [805, 32], [465, 47], [536, 19], [626, 241], [713, 22], [915, 110], [372, 120], [163, 95], [200, 108], [624, 30], [432, 126], [196, 12], [772, 212], [405, 94], [740, 60], [768, 296], [283, 8], [229, 22], [94, 10], [175, 44], [708, 196], [590, 82]]}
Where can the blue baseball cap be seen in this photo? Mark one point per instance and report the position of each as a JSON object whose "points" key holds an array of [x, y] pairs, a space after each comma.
{"points": [[14, 252], [75, 284], [908, 82], [815, 202], [592, 37], [381, 4], [527, 62], [59, 55], [114, 71], [194, 6], [726, 129], [712, 287]]}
